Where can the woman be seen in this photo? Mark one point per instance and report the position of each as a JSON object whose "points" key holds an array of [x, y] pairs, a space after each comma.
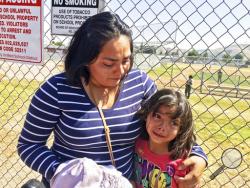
{"points": [[97, 72]]}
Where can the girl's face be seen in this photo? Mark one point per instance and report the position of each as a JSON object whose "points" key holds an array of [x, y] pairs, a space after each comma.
{"points": [[112, 64], [162, 128]]}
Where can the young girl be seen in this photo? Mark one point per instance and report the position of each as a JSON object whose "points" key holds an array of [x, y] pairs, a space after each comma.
{"points": [[166, 140]]}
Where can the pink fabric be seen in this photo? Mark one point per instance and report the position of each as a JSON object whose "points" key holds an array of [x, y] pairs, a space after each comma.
{"points": [[153, 170], [85, 173]]}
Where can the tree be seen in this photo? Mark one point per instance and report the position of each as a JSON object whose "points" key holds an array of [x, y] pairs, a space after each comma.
{"points": [[205, 54], [238, 56], [193, 55], [226, 58]]}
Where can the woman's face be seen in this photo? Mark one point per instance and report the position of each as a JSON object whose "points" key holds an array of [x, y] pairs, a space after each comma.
{"points": [[161, 127], [112, 63]]}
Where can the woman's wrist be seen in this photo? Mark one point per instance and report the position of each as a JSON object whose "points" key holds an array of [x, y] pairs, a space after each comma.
{"points": [[201, 158]]}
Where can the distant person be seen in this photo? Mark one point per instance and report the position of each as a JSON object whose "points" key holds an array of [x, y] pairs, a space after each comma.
{"points": [[188, 86], [166, 140], [219, 76]]}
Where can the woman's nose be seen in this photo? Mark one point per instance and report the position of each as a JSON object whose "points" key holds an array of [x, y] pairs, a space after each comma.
{"points": [[119, 69]]}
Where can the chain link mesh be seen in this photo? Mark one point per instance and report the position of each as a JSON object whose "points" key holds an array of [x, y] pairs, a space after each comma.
{"points": [[172, 39]]}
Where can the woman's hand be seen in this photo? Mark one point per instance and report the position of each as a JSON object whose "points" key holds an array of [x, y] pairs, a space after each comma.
{"points": [[132, 183], [192, 179]]}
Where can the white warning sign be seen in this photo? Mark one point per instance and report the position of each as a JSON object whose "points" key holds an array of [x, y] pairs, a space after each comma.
{"points": [[68, 15], [21, 30]]}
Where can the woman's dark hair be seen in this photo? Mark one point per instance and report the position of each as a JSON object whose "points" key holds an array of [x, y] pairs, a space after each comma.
{"points": [[182, 144], [88, 41]]}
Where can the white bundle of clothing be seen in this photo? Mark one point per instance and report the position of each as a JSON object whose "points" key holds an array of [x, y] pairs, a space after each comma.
{"points": [[86, 173]]}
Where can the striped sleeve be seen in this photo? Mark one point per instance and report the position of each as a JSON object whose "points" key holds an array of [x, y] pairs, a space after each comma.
{"points": [[149, 85], [42, 116], [198, 151]]}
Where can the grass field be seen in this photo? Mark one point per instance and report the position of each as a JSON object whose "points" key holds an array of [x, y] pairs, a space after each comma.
{"points": [[177, 74], [221, 123]]}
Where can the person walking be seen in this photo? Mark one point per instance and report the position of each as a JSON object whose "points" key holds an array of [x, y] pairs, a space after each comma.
{"points": [[188, 86], [219, 76]]}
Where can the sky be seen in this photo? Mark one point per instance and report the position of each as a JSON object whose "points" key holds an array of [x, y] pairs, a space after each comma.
{"points": [[198, 24]]}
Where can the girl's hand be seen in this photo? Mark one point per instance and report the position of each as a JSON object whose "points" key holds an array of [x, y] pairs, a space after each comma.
{"points": [[196, 165]]}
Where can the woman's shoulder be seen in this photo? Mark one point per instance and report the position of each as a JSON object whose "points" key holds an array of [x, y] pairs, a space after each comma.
{"points": [[139, 80], [59, 84], [136, 72], [137, 75], [57, 81], [57, 78]]}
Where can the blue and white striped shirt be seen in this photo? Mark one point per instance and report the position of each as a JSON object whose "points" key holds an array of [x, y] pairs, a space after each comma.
{"points": [[67, 111]]}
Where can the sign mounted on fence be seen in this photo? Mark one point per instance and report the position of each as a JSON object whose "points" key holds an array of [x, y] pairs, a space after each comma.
{"points": [[67, 15], [21, 30]]}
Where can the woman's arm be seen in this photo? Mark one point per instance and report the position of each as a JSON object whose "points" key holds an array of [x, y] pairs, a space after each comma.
{"points": [[192, 179], [41, 119], [197, 162]]}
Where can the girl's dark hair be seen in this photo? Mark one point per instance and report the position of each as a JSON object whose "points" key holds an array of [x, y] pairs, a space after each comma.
{"points": [[182, 144], [88, 40]]}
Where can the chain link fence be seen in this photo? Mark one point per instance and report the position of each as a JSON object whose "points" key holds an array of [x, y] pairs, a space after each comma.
{"points": [[208, 39]]}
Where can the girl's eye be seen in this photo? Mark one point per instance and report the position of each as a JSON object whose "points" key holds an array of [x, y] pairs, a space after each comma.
{"points": [[175, 123], [156, 116]]}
